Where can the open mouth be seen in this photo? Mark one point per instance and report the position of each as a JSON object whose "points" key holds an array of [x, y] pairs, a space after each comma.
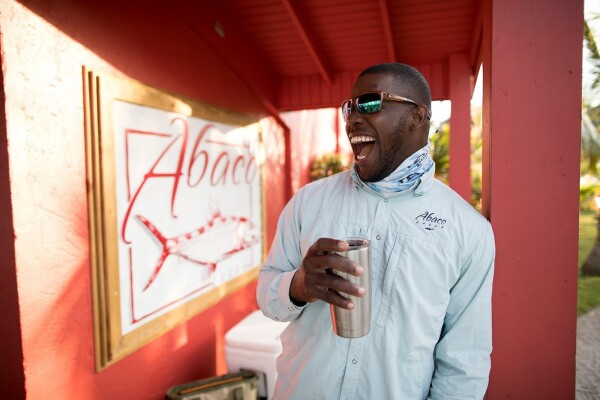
{"points": [[362, 146]]}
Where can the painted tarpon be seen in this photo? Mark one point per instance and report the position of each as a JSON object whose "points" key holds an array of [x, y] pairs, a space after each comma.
{"points": [[208, 245]]}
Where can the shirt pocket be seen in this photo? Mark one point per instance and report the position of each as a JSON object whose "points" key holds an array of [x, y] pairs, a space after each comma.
{"points": [[392, 264], [416, 284]]}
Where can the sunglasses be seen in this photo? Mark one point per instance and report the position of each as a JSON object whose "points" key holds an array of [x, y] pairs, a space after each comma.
{"points": [[370, 102]]}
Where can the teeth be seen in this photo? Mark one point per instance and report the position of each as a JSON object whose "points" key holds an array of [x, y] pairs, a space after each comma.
{"points": [[361, 139], [361, 157]]}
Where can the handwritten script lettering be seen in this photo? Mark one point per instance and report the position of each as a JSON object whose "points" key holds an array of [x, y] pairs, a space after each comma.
{"points": [[215, 162]]}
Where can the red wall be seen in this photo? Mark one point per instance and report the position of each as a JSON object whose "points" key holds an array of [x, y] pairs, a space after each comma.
{"points": [[45, 296], [314, 133]]}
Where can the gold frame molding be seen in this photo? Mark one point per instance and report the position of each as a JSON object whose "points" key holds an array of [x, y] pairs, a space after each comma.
{"points": [[99, 92]]}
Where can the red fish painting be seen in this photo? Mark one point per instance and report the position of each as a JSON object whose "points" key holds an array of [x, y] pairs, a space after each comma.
{"points": [[219, 239]]}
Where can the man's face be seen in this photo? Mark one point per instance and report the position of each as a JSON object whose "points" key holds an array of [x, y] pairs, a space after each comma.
{"points": [[378, 139]]}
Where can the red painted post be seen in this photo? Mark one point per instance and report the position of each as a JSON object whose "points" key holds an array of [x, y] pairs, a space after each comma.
{"points": [[460, 125], [531, 122]]}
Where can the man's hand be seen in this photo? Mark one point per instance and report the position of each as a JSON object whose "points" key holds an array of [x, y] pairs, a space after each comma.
{"points": [[313, 282]]}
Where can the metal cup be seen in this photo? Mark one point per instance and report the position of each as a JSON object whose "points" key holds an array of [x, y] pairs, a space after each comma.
{"points": [[356, 322]]}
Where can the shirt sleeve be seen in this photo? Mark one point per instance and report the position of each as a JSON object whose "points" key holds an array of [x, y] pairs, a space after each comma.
{"points": [[275, 276], [462, 355]]}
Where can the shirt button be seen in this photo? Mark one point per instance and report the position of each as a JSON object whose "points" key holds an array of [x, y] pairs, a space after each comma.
{"points": [[385, 200], [354, 361], [378, 237]]}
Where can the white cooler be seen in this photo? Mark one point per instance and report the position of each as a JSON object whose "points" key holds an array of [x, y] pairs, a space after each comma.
{"points": [[254, 344]]}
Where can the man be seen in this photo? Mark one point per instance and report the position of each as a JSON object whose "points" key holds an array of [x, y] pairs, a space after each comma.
{"points": [[432, 258]]}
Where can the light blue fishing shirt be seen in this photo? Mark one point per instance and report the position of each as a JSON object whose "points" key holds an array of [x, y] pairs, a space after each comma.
{"points": [[432, 261]]}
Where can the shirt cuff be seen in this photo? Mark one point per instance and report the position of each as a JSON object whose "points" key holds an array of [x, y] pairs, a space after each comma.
{"points": [[284, 293]]}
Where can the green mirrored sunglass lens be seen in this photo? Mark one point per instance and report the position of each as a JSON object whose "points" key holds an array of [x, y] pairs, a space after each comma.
{"points": [[367, 107]]}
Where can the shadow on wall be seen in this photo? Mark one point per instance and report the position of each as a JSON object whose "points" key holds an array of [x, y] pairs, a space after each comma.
{"points": [[64, 333], [12, 377], [175, 56], [58, 332]]}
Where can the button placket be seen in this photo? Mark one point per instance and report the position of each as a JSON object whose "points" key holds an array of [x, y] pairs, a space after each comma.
{"points": [[351, 377]]}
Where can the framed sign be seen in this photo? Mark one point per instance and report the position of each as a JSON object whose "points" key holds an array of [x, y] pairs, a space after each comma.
{"points": [[175, 206]]}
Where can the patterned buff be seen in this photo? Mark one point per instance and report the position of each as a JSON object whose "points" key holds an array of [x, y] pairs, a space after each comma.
{"points": [[406, 174]]}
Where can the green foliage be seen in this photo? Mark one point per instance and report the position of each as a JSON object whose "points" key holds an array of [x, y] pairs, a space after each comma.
{"points": [[588, 294], [588, 287], [587, 192], [594, 57], [593, 112], [590, 118], [440, 151], [587, 234], [476, 156], [327, 165], [590, 142], [476, 190]]}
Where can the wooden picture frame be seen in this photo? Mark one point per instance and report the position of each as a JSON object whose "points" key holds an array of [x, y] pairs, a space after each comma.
{"points": [[176, 209]]}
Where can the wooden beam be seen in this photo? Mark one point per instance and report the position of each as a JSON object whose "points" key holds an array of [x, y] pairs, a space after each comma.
{"points": [[218, 32], [459, 88], [527, 60], [307, 39], [387, 30], [475, 56], [476, 38]]}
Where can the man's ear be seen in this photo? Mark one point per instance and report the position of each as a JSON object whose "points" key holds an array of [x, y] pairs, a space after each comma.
{"points": [[419, 117]]}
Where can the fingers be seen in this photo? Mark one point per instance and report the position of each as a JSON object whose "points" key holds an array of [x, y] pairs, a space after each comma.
{"points": [[339, 264], [333, 297], [317, 284], [321, 257], [325, 245], [333, 289], [322, 275]]}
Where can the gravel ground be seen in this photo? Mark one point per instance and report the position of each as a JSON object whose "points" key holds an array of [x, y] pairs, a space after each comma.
{"points": [[588, 356]]}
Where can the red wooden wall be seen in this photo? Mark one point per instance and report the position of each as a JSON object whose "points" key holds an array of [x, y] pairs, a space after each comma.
{"points": [[45, 288]]}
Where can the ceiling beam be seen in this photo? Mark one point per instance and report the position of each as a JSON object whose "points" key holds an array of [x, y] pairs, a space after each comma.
{"points": [[387, 30], [213, 27], [475, 56], [308, 40], [476, 37]]}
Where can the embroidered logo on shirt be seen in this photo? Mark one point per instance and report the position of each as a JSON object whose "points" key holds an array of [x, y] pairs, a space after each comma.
{"points": [[430, 221]]}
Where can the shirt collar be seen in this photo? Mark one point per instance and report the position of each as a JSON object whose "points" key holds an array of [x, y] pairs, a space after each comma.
{"points": [[421, 186]]}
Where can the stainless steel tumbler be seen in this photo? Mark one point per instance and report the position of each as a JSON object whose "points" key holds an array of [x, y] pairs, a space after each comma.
{"points": [[356, 322]]}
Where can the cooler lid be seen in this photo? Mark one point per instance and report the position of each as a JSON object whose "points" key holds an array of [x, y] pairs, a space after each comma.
{"points": [[256, 332]]}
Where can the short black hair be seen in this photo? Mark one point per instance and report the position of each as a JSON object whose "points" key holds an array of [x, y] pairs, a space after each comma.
{"points": [[404, 75]]}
